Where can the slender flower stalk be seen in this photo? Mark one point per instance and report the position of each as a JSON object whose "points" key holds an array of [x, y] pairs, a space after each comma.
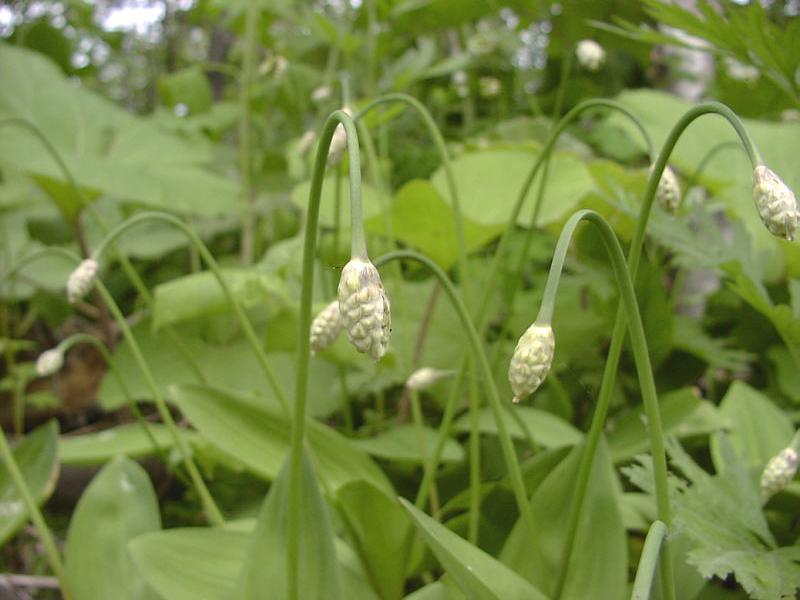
{"points": [[479, 356], [499, 256], [209, 259], [127, 267], [645, 573], [620, 324], [84, 338], [212, 511], [51, 551], [358, 249], [630, 308]]}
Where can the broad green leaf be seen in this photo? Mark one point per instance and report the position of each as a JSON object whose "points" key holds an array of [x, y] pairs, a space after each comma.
{"points": [[683, 414], [265, 570], [758, 428], [257, 433], [406, 443], [599, 557], [229, 363], [787, 375], [723, 517], [546, 429], [127, 440], [199, 295], [370, 197], [778, 142], [37, 461], [477, 574], [432, 591], [490, 181], [189, 87], [378, 526], [107, 149], [421, 218], [119, 505], [191, 563]]}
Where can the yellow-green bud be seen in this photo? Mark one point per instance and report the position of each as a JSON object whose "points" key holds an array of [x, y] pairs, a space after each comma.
{"points": [[364, 307], [775, 202], [531, 361], [326, 327], [668, 192], [81, 280], [779, 472]]}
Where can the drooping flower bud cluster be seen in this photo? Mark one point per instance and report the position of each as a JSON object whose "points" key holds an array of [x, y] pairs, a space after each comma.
{"points": [[338, 141], [425, 377], [326, 327], [364, 307], [775, 202], [591, 55], [49, 362], [531, 360], [81, 280], [779, 472], [668, 192]]}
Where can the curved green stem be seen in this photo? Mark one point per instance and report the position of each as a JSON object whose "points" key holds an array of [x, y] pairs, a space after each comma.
{"points": [[53, 557], [84, 338], [488, 285], [209, 259], [359, 250], [452, 188], [479, 356], [648, 562], [641, 355], [209, 506], [131, 273], [463, 269], [701, 166], [212, 511], [620, 324]]}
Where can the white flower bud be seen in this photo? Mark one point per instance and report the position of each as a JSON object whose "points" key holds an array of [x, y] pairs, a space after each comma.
{"points": [[591, 55], [668, 192], [425, 377], [81, 280], [338, 141], [306, 141], [531, 361], [49, 362], [321, 94], [775, 202], [364, 307], [326, 327], [489, 86], [779, 472]]}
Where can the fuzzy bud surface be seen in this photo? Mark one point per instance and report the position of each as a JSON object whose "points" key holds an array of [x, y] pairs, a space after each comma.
{"points": [[326, 327], [338, 141], [591, 55], [531, 360], [49, 362], [364, 307], [425, 377], [775, 202], [779, 472], [81, 280], [668, 192]]}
